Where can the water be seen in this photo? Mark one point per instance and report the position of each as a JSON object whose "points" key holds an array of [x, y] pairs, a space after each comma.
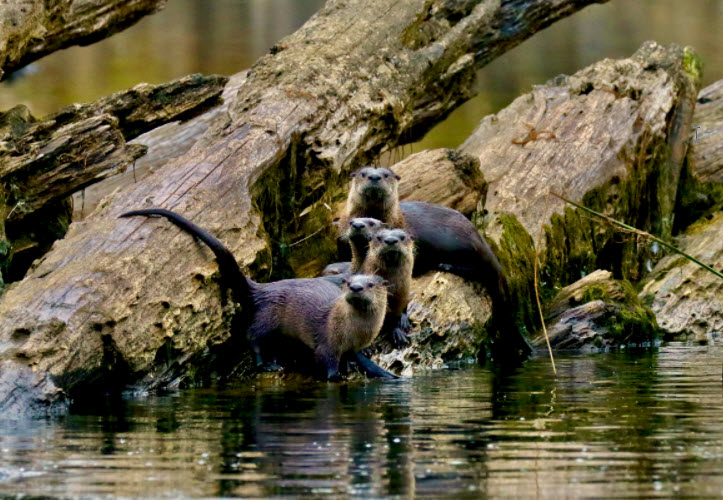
{"points": [[610, 425]]}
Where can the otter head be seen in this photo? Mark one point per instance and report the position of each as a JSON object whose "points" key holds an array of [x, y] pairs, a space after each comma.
{"points": [[363, 228], [392, 246], [374, 188], [365, 292]]}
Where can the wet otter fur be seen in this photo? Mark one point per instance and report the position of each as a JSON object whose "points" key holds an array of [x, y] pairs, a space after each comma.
{"points": [[445, 240], [359, 232], [333, 322], [391, 256]]}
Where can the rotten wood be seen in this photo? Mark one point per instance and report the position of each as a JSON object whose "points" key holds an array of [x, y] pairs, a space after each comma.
{"points": [[133, 300], [31, 30]]}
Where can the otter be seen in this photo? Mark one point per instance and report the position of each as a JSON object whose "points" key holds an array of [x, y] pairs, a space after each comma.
{"points": [[333, 322], [359, 231], [391, 256], [445, 239]]}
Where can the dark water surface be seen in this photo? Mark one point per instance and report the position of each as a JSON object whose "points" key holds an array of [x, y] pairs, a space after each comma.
{"points": [[610, 425]]}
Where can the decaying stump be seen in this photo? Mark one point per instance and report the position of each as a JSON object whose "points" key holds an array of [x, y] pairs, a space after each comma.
{"points": [[31, 29], [612, 136], [128, 300], [43, 162], [597, 312]]}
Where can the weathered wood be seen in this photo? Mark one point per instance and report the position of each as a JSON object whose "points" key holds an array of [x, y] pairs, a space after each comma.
{"points": [[135, 298], [444, 176], [43, 162], [597, 312], [164, 143], [32, 29], [612, 136], [701, 189], [687, 299]]}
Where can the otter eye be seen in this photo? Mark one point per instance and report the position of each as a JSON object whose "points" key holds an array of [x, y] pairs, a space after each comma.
{"points": [[398, 178], [386, 176], [353, 174], [363, 174], [370, 285], [402, 237], [379, 238]]}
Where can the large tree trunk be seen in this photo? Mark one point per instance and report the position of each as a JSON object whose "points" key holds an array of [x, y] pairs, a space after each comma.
{"points": [[33, 29], [126, 299]]}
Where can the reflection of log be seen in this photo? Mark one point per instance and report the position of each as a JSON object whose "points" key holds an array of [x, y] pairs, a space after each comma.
{"points": [[122, 300], [43, 162], [31, 30]]}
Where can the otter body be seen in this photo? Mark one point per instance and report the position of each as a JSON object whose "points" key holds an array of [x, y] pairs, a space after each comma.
{"points": [[445, 239], [391, 256], [333, 322], [359, 232]]}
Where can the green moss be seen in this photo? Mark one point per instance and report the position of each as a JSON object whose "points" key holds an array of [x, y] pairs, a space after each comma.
{"points": [[595, 293], [692, 63]]}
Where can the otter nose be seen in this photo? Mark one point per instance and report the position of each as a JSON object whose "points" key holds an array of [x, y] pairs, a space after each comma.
{"points": [[356, 288], [357, 225], [389, 240], [374, 177]]}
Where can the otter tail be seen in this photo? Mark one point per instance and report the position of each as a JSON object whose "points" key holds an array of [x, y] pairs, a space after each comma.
{"points": [[231, 275]]}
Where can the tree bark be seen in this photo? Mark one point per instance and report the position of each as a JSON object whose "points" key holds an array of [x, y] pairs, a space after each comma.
{"points": [[44, 162], [131, 300], [612, 136], [31, 30]]}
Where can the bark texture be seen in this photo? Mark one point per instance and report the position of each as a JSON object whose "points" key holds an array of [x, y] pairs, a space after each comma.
{"points": [[597, 312], [612, 136], [31, 29], [43, 162], [129, 300], [163, 144], [687, 299]]}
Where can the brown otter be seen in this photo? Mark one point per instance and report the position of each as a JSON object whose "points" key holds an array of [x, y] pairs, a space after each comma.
{"points": [[332, 322], [359, 232], [391, 256], [445, 240]]}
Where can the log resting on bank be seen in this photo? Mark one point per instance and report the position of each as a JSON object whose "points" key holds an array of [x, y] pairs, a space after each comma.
{"points": [[119, 301], [612, 136], [32, 29], [43, 162]]}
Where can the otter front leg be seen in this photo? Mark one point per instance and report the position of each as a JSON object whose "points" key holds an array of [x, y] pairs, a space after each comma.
{"points": [[329, 362], [395, 326], [371, 369]]}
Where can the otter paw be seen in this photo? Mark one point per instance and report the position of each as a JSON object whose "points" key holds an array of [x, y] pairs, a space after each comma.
{"points": [[404, 323], [399, 338]]}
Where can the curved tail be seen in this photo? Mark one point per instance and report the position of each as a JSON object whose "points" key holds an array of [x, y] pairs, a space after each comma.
{"points": [[231, 275]]}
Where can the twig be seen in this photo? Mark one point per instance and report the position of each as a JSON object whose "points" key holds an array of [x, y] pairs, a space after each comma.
{"points": [[537, 293], [641, 233]]}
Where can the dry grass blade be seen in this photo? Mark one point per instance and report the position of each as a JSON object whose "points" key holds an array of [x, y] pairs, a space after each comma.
{"points": [[537, 292]]}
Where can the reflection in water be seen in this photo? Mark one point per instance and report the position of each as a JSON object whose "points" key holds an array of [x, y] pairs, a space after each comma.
{"points": [[641, 424]]}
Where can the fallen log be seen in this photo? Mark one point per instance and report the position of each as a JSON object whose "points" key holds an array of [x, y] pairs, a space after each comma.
{"points": [[613, 136], [31, 30], [44, 162], [121, 301]]}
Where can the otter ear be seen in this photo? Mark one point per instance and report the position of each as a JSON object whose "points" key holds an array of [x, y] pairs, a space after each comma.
{"points": [[385, 282], [352, 175]]}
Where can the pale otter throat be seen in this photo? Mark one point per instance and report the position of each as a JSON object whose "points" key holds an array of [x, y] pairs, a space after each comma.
{"points": [[357, 317]]}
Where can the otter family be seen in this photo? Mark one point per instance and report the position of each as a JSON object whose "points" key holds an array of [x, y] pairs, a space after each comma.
{"points": [[343, 311]]}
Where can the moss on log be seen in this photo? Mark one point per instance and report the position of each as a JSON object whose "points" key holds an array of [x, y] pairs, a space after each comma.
{"points": [[31, 30], [133, 300]]}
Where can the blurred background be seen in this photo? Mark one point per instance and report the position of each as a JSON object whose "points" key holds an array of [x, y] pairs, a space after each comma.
{"points": [[226, 36]]}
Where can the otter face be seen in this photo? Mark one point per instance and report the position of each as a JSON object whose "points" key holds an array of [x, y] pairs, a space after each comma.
{"points": [[362, 291], [363, 227], [392, 243], [375, 184]]}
